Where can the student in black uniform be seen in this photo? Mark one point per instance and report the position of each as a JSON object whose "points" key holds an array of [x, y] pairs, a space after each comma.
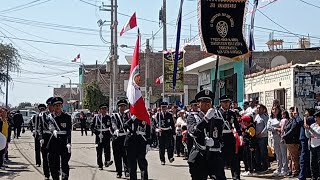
{"points": [[101, 126], [229, 141], [166, 129], [205, 157], [195, 113], [60, 141], [45, 135], [118, 121], [36, 133], [137, 144]]}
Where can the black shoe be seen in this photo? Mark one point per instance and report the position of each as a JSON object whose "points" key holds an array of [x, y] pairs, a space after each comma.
{"points": [[38, 165], [163, 163], [171, 160], [293, 175], [108, 163], [118, 176], [178, 155], [100, 167]]}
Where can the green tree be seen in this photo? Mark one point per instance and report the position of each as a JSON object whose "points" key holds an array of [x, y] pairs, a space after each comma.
{"points": [[93, 96], [8, 53]]}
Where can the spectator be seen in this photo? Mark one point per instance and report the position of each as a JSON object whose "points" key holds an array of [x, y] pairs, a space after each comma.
{"points": [[245, 107], [279, 147], [252, 109], [261, 120], [305, 171], [4, 129], [17, 121], [185, 142], [313, 132], [180, 122], [83, 123], [249, 143], [291, 138]]}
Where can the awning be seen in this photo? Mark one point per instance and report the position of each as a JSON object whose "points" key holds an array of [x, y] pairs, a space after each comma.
{"points": [[204, 64]]}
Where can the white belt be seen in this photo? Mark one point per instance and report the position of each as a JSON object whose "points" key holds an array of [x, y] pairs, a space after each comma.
{"points": [[141, 133], [61, 132], [47, 132], [122, 134], [227, 131], [215, 149], [103, 130], [165, 129]]}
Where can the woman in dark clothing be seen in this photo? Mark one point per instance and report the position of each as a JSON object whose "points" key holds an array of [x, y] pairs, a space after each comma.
{"points": [[83, 123]]}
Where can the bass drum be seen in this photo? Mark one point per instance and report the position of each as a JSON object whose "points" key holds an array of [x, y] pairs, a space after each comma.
{"points": [[3, 141]]}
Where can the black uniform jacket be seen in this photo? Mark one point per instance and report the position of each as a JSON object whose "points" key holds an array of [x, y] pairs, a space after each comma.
{"points": [[138, 132], [165, 120]]}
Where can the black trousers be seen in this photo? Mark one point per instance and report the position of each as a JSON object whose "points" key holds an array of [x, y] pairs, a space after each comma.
{"points": [[165, 142], [45, 155], [1, 157], [37, 149], [179, 146], [229, 155], [59, 155], [103, 147], [119, 155], [248, 159], [83, 128], [136, 153], [315, 162], [189, 143], [17, 131]]}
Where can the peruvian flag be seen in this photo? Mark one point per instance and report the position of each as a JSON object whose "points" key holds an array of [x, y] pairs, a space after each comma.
{"points": [[132, 23], [76, 58], [137, 105], [159, 80]]}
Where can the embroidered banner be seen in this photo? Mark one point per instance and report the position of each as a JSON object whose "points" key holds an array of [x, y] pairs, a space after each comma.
{"points": [[221, 27]]}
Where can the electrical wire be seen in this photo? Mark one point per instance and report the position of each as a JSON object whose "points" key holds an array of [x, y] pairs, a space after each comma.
{"points": [[23, 6], [310, 4]]}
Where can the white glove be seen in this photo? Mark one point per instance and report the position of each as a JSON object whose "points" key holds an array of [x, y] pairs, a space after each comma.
{"points": [[148, 148], [55, 133], [41, 142], [100, 135], [209, 142], [133, 117], [116, 132], [69, 148], [210, 114], [158, 130], [241, 140], [51, 127]]}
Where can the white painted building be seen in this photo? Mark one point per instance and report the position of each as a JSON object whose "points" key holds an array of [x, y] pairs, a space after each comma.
{"points": [[293, 85]]}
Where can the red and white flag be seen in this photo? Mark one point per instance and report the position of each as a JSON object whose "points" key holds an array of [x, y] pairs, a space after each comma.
{"points": [[76, 58], [132, 23], [137, 105], [159, 80]]}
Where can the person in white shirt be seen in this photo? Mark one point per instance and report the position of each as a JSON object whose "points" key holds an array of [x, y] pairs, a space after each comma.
{"points": [[252, 109], [180, 122], [313, 132]]}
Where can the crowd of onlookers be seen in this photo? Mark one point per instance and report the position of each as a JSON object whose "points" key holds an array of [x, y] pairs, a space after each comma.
{"points": [[9, 121], [293, 137]]}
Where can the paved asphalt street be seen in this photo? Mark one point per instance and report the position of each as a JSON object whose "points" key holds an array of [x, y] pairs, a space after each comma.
{"points": [[83, 163]]}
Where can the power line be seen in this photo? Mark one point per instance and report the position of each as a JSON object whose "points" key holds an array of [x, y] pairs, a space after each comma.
{"points": [[310, 4], [89, 3], [25, 7], [56, 43]]}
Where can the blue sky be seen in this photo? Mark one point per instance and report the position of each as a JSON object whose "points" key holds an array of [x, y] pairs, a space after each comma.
{"points": [[43, 64]]}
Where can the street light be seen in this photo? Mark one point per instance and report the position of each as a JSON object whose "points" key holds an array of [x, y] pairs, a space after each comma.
{"points": [[70, 92]]}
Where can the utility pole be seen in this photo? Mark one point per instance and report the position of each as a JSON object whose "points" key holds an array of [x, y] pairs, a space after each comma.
{"points": [[114, 53], [147, 92], [115, 56], [70, 98], [164, 24], [7, 82]]}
